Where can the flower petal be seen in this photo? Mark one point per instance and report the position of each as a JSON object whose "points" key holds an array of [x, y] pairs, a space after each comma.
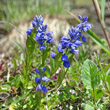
{"points": [[50, 40], [64, 58], [84, 39], [78, 42], [29, 30], [37, 80], [39, 87], [53, 55], [45, 79], [44, 89], [37, 71], [44, 68], [59, 48], [42, 47], [66, 64]]}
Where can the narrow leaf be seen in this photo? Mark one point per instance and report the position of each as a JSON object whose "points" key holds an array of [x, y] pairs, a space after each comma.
{"points": [[103, 9], [20, 47]]}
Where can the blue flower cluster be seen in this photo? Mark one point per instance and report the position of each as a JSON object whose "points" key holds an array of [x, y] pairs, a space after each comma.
{"points": [[53, 55], [41, 36], [38, 80], [71, 43]]}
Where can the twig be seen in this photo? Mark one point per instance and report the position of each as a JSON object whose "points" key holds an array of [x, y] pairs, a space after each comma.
{"points": [[101, 22]]}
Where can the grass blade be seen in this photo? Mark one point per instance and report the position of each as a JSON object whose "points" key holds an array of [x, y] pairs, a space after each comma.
{"points": [[20, 47], [103, 9], [96, 39]]}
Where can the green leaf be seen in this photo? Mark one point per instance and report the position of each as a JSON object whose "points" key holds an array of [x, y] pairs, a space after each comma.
{"points": [[87, 106], [98, 94], [16, 55], [15, 64], [61, 76], [106, 68], [52, 63], [30, 47], [45, 55], [108, 78], [5, 88], [57, 63], [96, 39], [89, 74], [20, 47], [103, 9]]}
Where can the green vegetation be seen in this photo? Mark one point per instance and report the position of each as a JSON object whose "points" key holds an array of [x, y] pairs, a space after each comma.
{"points": [[14, 11]]}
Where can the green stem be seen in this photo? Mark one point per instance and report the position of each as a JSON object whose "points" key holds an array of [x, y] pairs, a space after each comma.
{"points": [[38, 99], [94, 99], [39, 92]]}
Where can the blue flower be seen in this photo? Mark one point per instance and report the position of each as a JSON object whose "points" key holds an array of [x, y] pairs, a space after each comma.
{"points": [[41, 36], [83, 26], [74, 33], [45, 79], [38, 21], [59, 48], [77, 42], [74, 51], [37, 71], [84, 39], [29, 30], [42, 47], [66, 64], [71, 43], [64, 58], [41, 71], [53, 55], [40, 79], [41, 87], [50, 40], [83, 19], [43, 28]]}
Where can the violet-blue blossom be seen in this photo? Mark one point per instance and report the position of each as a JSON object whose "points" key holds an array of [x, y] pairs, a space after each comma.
{"points": [[53, 55], [41, 78], [75, 39], [29, 30], [41, 71], [41, 87], [41, 36], [65, 60], [38, 20], [83, 26]]}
